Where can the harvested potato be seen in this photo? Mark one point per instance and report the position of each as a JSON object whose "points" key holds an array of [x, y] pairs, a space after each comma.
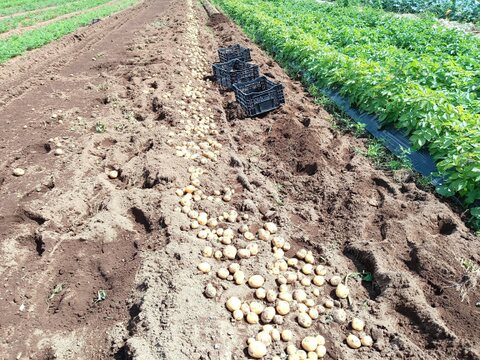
{"points": [[358, 324], [257, 349], [304, 320], [287, 335], [309, 343], [283, 307], [342, 291], [252, 318], [233, 303], [353, 341], [204, 267], [366, 340], [256, 281], [335, 280]]}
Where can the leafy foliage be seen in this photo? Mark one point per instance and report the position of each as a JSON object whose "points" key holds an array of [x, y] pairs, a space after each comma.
{"points": [[459, 10], [32, 19], [412, 73], [17, 44]]}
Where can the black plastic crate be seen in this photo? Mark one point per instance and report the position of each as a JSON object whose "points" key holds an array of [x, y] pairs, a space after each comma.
{"points": [[233, 71], [234, 52], [259, 96]]}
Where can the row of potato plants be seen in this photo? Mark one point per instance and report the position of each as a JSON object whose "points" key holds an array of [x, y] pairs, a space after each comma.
{"points": [[410, 72], [458, 10]]}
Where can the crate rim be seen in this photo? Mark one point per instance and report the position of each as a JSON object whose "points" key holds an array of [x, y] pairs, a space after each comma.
{"points": [[236, 85]]}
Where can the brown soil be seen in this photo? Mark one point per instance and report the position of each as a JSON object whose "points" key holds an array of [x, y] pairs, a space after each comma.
{"points": [[66, 225]]}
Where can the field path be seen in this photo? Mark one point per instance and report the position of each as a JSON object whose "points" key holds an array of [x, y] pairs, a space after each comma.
{"points": [[129, 109]]}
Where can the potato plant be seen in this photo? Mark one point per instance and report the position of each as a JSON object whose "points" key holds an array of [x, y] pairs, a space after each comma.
{"points": [[412, 73]]}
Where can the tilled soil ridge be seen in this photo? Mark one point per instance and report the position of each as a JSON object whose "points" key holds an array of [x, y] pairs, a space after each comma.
{"points": [[149, 211]]}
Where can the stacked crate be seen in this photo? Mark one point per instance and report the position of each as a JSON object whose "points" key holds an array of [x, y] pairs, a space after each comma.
{"points": [[256, 94]]}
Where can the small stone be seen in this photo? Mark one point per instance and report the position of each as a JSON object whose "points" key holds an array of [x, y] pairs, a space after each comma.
{"points": [[59, 151], [210, 291], [339, 315], [113, 174]]}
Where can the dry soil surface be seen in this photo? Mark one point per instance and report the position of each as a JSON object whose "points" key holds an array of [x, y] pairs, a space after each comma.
{"points": [[148, 143]]}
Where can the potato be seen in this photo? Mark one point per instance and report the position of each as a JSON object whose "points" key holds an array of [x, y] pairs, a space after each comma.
{"points": [[321, 351], [321, 270], [112, 174], [358, 324], [307, 269], [257, 349], [233, 303], [252, 318], [283, 307], [318, 280], [309, 259], [222, 273], [233, 268], [230, 252], [287, 335], [202, 218], [243, 253], [309, 343], [278, 242], [249, 236], [366, 340], [263, 234], [18, 172], [271, 295], [270, 227], [301, 254], [342, 291], [275, 334], [267, 314], [353, 341], [253, 248], [306, 281], [299, 295], [256, 281], [260, 293], [264, 337], [239, 277], [335, 280], [291, 349], [256, 307], [204, 267], [304, 320], [238, 315], [207, 251], [313, 313]]}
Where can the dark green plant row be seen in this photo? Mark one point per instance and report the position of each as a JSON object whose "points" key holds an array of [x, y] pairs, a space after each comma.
{"points": [[18, 44], [410, 72], [47, 14], [9, 7], [458, 10]]}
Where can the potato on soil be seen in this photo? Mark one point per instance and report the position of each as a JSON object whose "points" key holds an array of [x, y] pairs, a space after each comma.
{"points": [[257, 349]]}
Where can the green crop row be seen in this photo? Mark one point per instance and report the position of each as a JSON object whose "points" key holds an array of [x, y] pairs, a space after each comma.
{"points": [[48, 14], [18, 44], [9, 7], [458, 10], [410, 72]]}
